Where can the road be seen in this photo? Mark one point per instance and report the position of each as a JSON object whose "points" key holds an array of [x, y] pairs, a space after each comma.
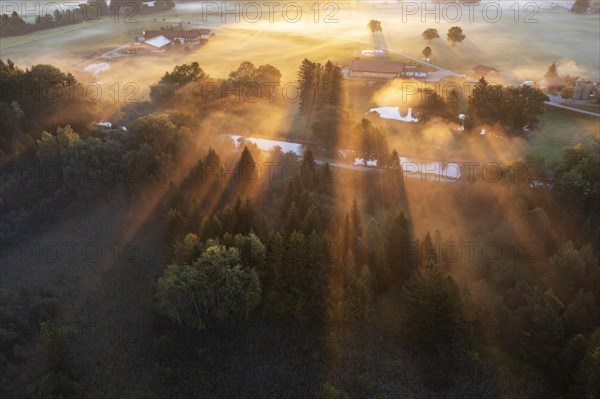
{"points": [[581, 111], [418, 174]]}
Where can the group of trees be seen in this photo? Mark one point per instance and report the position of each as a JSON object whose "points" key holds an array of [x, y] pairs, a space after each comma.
{"points": [[518, 108], [370, 143], [552, 74], [35, 99], [576, 181], [214, 288], [431, 104], [291, 269], [553, 326], [61, 379], [300, 265], [321, 100], [22, 313], [262, 82], [455, 35], [171, 81], [318, 85], [66, 167], [188, 85]]}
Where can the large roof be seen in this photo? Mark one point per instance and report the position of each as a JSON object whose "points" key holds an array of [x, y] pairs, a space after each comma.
{"points": [[484, 68], [376, 66], [158, 41], [177, 34]]}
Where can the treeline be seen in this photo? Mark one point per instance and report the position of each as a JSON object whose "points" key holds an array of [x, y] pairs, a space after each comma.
{"points": [[13, 25], [92, 10]]}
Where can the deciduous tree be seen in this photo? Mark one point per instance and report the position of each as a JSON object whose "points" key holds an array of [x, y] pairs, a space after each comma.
{"points": [[455, 35], [430, 34]]}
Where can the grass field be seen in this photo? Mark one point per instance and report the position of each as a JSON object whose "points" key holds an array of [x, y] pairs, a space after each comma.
{"points": [[560, 128], [521, 50]]}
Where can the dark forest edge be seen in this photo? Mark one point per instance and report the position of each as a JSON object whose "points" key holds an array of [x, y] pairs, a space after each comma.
{"points": [[299, 253]]}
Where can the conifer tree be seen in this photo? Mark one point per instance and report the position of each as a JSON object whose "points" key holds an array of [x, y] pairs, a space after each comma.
{"points": [[400, 249]]}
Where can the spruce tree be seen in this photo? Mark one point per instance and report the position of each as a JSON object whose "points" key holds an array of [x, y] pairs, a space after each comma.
{"points": [[306, 83], [400, 249]]}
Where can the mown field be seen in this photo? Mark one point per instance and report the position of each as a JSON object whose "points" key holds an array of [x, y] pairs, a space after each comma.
{"points": [[560, 128]]}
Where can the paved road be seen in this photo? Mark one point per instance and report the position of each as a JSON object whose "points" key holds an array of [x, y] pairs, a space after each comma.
{"points": [[423, 176], [581, 111]]}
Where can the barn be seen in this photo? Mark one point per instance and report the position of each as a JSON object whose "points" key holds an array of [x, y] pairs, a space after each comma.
{"points": [[187, 37], [373, 68]]}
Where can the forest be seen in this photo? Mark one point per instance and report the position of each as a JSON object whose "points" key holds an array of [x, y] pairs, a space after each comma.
{"points": [[256, 273]]}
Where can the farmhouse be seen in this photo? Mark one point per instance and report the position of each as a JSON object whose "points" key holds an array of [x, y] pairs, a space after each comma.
{"points": [[584, 89], [375, 69], [483, 70], [188, 37], [415, 71]]}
